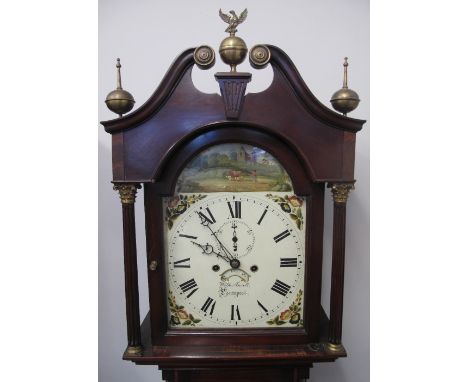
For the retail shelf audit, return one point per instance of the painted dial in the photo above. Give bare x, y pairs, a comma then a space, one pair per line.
236, 260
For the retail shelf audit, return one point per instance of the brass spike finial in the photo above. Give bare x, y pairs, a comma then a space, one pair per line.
119, 100
119, 78
345, 75
345, 99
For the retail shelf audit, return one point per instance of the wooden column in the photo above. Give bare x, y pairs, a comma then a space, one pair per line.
340, 192
127, 193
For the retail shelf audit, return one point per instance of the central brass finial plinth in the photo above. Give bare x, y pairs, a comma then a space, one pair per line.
233, 49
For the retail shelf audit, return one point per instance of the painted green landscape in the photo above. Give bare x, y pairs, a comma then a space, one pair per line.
233, 167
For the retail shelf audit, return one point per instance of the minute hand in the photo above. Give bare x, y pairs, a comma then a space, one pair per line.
226, 251
205, 223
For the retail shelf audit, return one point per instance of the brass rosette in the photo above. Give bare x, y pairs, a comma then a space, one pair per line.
259, 56
204, 57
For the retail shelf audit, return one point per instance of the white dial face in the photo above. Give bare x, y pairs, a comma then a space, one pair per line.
235, 260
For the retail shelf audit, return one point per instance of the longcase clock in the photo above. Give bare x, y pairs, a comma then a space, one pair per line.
233, 189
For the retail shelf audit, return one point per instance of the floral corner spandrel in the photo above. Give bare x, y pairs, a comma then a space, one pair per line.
292, 205
178, 204
179, 316
292, 315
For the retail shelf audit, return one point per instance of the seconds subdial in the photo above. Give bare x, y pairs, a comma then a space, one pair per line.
238, 236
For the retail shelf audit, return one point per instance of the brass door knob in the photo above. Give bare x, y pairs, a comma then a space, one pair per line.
153, 265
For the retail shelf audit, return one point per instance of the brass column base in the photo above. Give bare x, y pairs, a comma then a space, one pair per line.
134, 350
335, 347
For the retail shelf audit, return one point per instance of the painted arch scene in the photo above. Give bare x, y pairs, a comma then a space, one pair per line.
233, 167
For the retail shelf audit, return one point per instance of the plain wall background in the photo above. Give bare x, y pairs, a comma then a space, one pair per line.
147, 36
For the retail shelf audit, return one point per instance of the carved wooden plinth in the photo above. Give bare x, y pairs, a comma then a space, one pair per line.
233, 86
257, 374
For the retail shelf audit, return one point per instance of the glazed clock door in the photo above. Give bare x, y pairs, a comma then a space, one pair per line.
234, 243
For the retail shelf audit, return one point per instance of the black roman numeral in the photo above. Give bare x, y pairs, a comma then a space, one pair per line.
263, 215
207, 304
281, 236
235, 309
188, 236
236, 213
261, 306
184, 263
288, 262
206, 218
186, 286
280, 287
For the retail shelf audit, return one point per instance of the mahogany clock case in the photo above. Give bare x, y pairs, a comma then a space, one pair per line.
228, 133
153, 144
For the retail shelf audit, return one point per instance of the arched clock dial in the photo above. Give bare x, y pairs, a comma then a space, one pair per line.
236, 260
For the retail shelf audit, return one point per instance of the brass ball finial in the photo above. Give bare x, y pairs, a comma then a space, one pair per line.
233, 49
119, 100
345, 100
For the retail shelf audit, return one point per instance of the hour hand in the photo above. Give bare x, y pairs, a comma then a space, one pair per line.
208, 250
205, 221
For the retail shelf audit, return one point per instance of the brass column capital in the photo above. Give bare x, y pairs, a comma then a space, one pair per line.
127, 191
340, 191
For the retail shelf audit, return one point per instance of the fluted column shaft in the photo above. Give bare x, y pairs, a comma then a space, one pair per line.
127, 193
340, 192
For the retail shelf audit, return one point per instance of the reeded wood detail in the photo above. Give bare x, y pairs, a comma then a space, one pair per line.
127, 196
131, 276
233, 86
340, 192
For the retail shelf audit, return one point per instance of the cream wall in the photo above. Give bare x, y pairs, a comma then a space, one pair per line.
147, 36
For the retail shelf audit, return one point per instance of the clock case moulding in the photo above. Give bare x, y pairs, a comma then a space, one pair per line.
153, 144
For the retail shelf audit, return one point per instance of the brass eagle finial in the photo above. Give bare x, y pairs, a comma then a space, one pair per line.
233, 20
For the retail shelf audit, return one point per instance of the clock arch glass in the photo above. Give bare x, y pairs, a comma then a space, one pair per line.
234, 242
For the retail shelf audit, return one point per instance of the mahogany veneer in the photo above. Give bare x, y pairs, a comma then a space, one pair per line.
314, 144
